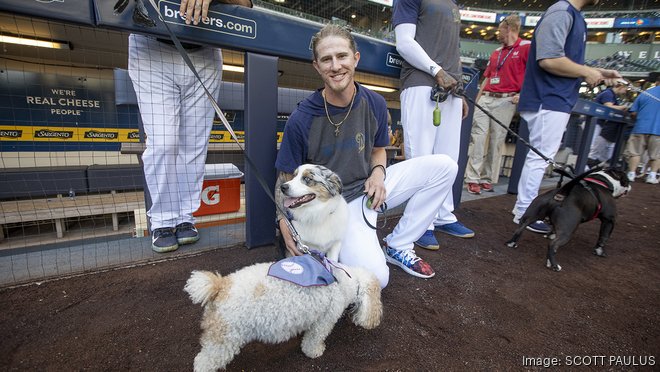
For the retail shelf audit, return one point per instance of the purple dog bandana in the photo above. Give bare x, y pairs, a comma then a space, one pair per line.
302, 270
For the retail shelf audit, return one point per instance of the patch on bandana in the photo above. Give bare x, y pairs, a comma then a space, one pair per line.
303, 270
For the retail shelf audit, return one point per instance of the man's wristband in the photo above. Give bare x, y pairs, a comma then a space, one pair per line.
434, 69
378, 166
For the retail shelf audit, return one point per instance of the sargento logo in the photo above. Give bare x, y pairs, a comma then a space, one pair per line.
217, 137
11, 133
46, 133
101, 135
216, 22
133, 135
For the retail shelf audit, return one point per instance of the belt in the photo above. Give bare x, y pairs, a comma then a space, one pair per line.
186, 46
499, 95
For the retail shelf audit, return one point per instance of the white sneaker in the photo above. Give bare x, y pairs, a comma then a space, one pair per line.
516, 216
631, 176
652, 180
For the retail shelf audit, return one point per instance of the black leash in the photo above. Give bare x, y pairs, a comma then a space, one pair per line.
383, 208
556, 167
177, 44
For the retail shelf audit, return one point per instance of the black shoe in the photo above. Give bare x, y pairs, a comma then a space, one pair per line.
163, 240
186, 233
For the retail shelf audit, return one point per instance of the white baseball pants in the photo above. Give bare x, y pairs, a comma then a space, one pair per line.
425, 182
421, 137
546, 129
177, 119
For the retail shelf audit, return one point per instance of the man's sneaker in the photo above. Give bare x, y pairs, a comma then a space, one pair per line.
486, 186
163, 240
539, 227
652, 180
473, 188
186, 233
455, 229
631, 176
409, 262
428, 241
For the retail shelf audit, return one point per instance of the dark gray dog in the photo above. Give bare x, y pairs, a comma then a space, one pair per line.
586, 197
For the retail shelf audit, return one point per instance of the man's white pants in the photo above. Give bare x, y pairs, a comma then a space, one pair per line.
546, 129
425, 182
177, 119
487, 139
421, 137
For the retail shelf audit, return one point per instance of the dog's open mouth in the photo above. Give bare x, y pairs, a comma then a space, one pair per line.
297, 202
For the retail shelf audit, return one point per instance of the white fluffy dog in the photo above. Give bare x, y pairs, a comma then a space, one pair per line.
320, 213
249, 305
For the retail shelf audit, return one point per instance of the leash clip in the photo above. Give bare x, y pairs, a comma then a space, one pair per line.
439, 94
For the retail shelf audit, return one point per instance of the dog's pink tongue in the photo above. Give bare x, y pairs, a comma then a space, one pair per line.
289, 201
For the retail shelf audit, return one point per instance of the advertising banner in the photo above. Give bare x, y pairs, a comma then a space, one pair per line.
77, 11
252, 30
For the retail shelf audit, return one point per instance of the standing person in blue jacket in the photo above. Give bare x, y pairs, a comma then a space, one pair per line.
427, 37
645, 134
555, 69
343, 126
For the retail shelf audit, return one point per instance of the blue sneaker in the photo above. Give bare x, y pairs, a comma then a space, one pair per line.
539, 227
455, 229
428, 241
409, 262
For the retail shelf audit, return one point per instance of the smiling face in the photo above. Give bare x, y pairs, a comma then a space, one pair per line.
336, 61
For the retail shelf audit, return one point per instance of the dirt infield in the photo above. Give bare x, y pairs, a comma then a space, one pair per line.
488, 308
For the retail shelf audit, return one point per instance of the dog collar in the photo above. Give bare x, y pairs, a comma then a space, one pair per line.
599, 183
607, 181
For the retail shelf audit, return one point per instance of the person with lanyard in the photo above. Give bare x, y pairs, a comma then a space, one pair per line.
499, 94
606, 132
177, 119
555, 69
343, 126
427, 37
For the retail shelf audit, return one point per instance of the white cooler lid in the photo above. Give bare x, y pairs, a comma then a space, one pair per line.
220, 171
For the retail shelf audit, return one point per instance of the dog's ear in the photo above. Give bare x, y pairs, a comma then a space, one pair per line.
334, 183
331, 180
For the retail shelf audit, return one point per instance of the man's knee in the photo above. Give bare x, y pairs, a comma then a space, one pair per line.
445, 162
382, 273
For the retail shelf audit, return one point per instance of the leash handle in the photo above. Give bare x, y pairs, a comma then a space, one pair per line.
186, 58
382, 208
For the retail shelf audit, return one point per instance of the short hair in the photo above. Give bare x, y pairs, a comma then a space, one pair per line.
332, 30
654, 76
513, 21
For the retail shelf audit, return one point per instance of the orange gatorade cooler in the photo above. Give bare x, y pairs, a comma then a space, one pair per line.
221, 191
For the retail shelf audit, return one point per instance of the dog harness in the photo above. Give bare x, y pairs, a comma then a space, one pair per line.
591, 191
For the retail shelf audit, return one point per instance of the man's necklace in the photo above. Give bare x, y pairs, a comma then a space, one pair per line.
338, 125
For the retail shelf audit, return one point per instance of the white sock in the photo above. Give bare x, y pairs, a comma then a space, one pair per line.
652, 175
631, 175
